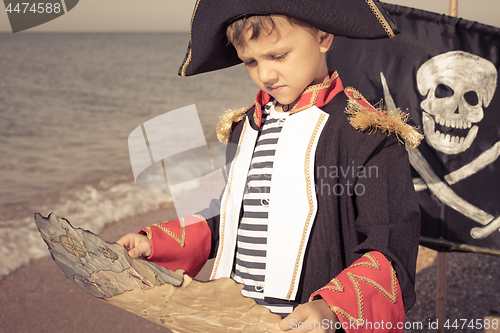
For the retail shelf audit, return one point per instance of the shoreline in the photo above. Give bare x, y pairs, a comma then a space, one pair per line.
39, 298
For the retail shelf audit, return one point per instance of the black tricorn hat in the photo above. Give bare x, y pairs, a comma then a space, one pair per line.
209, 50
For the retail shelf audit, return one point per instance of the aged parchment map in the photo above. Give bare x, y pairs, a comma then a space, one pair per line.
167, 298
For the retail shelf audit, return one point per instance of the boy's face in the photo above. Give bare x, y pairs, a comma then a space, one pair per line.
286, 61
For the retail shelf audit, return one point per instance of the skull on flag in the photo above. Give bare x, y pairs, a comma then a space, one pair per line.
457, 86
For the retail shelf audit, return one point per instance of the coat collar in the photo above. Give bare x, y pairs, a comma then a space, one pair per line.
317, 95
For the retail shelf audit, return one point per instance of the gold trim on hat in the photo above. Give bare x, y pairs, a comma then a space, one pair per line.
189, 57
381, 18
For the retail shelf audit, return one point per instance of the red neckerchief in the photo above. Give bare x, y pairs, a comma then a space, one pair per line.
319, 95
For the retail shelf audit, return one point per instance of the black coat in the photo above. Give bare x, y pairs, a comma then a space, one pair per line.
373, 208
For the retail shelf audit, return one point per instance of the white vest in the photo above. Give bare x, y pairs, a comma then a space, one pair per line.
292, 206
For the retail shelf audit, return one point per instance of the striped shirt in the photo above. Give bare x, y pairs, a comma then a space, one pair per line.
251, 245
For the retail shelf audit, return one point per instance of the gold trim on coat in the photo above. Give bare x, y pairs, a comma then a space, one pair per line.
315, 89
372, 264
179, 238
377, 119
226, 121
391, 296
200, 217
224, 206
148, 233
337, 286
310, 199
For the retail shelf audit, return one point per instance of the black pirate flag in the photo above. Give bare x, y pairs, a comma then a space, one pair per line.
444, 72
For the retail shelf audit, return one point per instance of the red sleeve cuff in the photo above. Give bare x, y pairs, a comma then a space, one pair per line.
366, 296
180, 244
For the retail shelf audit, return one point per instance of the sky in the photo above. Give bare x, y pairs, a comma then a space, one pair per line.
175, 15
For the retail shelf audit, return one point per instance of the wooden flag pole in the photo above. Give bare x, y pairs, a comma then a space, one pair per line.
441, 291
454, 8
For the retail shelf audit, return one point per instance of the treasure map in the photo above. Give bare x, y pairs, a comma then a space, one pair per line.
168, 298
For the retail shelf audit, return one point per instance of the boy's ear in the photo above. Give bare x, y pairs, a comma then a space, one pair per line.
325, 41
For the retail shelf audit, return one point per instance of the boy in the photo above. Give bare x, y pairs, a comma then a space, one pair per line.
316, 210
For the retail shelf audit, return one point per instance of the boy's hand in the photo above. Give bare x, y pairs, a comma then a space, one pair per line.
138, 245
315, 316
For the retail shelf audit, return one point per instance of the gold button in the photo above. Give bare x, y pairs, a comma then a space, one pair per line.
264, 202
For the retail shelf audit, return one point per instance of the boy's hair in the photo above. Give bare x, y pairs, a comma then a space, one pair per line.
236, 30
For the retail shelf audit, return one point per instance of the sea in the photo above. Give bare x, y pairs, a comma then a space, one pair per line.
68, 102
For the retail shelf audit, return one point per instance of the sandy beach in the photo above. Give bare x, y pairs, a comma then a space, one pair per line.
39, 298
